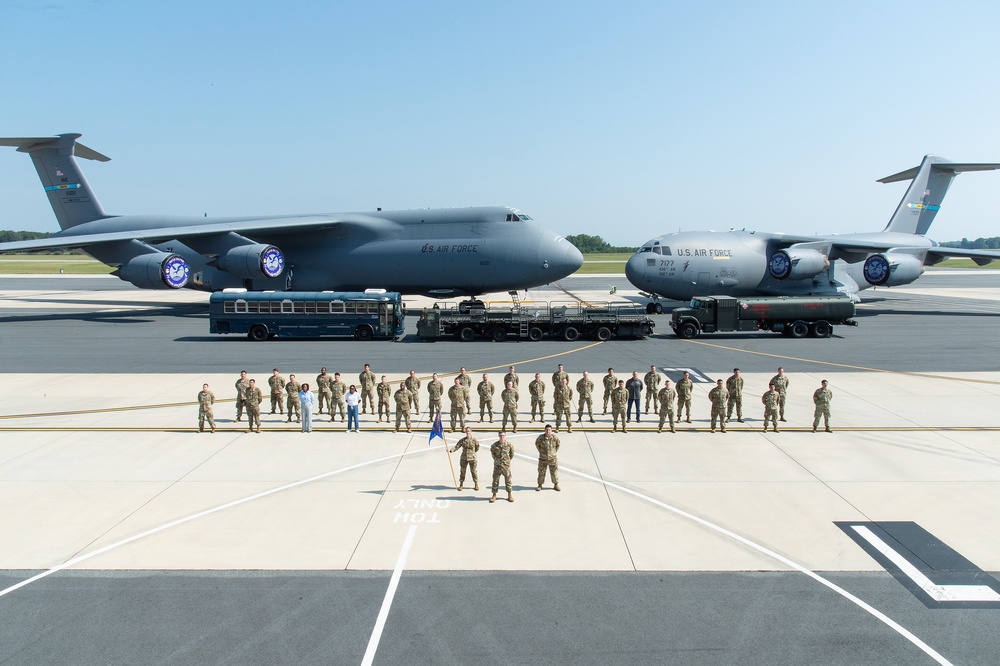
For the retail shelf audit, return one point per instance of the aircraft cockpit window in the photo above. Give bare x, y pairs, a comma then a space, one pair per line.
510, 217
646, 249
524, 218
656, 250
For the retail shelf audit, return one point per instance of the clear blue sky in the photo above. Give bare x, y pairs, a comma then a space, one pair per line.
622, 119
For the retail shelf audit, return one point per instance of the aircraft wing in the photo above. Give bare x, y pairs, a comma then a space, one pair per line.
155, 234
856, 249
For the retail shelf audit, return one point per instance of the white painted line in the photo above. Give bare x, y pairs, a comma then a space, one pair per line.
202, 514
882, 617
933, 590
383, 613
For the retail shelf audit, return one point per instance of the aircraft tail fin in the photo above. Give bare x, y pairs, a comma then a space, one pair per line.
69, 192
923, 198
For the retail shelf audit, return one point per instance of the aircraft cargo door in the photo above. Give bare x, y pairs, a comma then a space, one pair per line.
703, 286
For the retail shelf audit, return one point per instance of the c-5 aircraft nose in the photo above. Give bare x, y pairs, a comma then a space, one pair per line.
560, 259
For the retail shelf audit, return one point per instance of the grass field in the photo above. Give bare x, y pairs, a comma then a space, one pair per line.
70, 264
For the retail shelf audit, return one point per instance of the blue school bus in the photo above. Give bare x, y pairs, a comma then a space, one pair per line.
367, 315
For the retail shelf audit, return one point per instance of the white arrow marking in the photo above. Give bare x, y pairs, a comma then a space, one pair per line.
933, 590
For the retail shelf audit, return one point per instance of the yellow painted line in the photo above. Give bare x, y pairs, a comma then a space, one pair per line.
922, 375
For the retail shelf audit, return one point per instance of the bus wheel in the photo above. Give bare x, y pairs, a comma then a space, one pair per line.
257, 333
467, 334
364, 333
570, 334
499, 334
798, 329
535, 334
822, 329
603, 333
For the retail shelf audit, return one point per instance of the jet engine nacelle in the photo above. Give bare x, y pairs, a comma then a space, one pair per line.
157, 270
797, 264
253, 261
892, 269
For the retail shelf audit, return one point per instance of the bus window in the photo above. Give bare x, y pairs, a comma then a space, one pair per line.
252, 306
286, 306
310, 307
241, 306
229, 307
337, 306
298, 307
349, 308
322, 307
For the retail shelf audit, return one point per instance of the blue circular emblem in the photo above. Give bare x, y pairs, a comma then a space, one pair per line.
780, 265
175, 271
876, 269
272, 262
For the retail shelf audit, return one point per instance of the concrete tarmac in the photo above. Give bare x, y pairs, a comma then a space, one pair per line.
154, 543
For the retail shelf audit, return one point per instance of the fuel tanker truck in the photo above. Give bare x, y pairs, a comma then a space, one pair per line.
794, 316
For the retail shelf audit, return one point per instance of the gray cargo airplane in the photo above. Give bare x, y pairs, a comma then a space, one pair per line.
445, 252
745, 263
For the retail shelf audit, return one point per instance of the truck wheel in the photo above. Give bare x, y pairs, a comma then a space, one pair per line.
798, 329
467, 334
570, 334
822, 329
534, 334
687, 330
499, 334
257, 333
364, 333
603, 333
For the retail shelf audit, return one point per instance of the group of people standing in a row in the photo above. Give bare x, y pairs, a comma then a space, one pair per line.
669, 402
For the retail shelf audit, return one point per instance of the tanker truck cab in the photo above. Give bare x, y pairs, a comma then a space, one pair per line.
794, 316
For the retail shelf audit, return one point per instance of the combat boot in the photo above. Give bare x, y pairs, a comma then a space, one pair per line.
624, 429
672, 429
538, 489
510, 497
459, 487
477, 485
828, 430
814, 428
493, 498
659, 430
592, 419
557, 487
776, 429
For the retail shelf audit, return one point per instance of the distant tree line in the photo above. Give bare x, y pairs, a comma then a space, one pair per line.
594, 244
7, 236
992, 243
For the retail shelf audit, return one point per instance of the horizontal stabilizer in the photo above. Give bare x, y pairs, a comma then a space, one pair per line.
954, 167
28, 144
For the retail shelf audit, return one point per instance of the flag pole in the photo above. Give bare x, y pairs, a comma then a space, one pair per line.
447, 452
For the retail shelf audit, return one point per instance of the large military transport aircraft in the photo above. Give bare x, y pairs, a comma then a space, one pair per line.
745, 263
445, 252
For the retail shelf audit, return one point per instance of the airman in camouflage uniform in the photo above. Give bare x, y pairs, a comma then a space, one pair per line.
666, 398
735, 387
719, 397
770, 400
292, 389
585, 389
485, 391
610, 382
205, 401
367, 380
435, 389
277, 384
456, 394
652, 382
337, 391
413, 386
548, 457
469, 446
685, 387
384, 391
402, 397
509, 398
511, 377
821, 398
502, 452
564, 405
465, 381
253, 399
780, 382
323, 391
619, 400
241, 394
557, 378
537, 390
